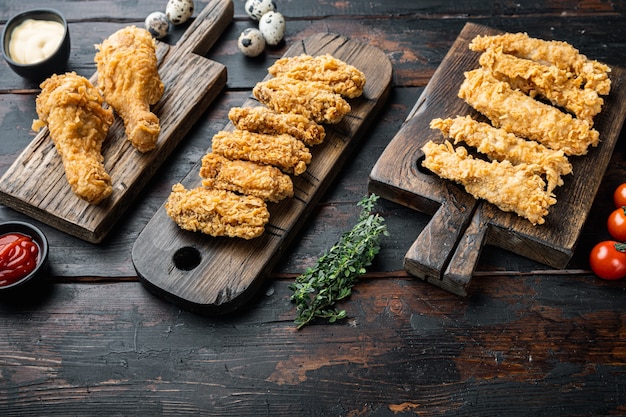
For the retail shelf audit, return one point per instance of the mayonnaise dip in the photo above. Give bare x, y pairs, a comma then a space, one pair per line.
35, 40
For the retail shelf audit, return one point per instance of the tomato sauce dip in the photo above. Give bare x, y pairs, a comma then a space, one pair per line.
19, 255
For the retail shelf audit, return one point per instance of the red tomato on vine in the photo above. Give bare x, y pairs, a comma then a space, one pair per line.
619, 196
608, 260
616, 224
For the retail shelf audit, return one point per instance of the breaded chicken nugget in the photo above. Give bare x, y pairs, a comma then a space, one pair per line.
217, 212
72, 109
314, 100
512, 188
343, 78
264, 120
245, 177
524, 116
282, 151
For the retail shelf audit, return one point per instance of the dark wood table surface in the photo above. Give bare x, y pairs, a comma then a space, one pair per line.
528, 340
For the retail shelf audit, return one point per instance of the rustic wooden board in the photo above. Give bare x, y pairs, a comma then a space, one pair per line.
447, 250
35, 183
229, 271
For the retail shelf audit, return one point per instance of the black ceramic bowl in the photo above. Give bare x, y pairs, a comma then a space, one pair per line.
41, 70
37, 235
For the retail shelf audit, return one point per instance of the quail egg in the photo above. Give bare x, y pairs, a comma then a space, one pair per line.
257, 8
251, 42
179, 11
157, 24
272, 26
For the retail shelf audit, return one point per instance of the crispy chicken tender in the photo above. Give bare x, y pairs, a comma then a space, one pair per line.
282, 151
591, 74
245, 177
512, 188
343, 78
264, 120
217, 212
72, 109
524, 116
500, 145
128, 78
548, 81
315, 100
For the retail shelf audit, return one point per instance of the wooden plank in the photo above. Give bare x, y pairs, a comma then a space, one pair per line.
35, 184
396, 175
231, 270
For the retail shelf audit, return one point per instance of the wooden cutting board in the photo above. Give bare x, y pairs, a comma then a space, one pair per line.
447, 250
218, 275
35, 184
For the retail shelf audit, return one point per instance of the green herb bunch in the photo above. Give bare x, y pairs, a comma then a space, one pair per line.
316, 291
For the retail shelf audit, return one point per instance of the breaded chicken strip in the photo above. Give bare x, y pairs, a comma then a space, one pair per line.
524, 116
264, 120
282, 151
314, 100
591, 74
217, 212
245, 177
500, 145
343, 78
72, 109
128, 78
548, 81
512, 188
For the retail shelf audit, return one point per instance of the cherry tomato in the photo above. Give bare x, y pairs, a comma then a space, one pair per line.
608, 260
619, 196
616, 224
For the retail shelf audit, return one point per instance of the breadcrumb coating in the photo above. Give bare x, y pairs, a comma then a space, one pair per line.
524, 116
548, 81
314, 100
245, 177
264, 120
282, 151
217, 212
500, 145
72, 108
512, 188
593, 74
343, 78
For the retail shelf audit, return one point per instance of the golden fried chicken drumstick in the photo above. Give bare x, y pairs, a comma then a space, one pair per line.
129, 80
72, 109
217, 212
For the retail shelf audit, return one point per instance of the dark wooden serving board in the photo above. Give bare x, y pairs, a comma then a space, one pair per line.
35, 184
229, 271
447, 250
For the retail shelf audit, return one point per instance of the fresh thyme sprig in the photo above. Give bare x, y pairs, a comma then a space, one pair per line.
335, 273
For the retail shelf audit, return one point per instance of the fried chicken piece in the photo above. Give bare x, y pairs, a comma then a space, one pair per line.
217, 212
548, 81
500, 145
524, 116
264, 120
282, 151
72, 109
128, 78
512, 188
591, 74
245, 177
343, 78
314, 100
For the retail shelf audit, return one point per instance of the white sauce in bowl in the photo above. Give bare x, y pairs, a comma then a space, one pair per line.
33, 40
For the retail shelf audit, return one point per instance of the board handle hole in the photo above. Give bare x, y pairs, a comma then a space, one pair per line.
421, 168
187, 258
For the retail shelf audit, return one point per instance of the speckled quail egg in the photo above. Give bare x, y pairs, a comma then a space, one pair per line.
272, 26
251, 42
157, 24
257, 8
179, 11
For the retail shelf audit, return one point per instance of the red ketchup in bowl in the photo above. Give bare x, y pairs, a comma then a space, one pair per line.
19, 255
